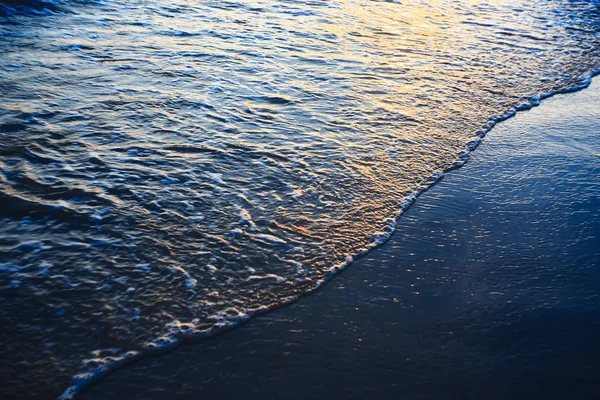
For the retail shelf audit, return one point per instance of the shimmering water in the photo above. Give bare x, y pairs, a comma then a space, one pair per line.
169, 169
487, 290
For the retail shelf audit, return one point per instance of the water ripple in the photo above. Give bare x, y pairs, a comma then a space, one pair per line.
167, 169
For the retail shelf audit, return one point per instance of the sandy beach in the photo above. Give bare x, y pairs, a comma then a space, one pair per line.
488, 289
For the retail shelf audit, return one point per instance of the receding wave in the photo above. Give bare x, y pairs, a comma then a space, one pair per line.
168, 170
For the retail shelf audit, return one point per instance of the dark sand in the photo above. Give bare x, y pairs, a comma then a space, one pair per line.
489, 289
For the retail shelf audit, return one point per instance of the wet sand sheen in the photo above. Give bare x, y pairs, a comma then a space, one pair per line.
488, 289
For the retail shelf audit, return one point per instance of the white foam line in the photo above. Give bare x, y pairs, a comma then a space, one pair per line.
177, 331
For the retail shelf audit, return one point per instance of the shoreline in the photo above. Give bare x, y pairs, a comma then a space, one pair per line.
369, 256
194, 167
83, 379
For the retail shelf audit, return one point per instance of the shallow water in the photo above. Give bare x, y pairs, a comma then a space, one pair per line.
487, 290
170, 169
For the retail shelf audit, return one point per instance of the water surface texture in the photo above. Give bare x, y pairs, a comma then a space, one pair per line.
488, 289
169, 169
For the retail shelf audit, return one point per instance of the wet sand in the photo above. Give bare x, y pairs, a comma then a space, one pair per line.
489, 289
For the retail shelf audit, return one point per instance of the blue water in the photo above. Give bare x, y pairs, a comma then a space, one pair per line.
487, 290
169, 170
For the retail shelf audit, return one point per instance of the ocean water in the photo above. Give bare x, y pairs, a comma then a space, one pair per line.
170, 169
488, 289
